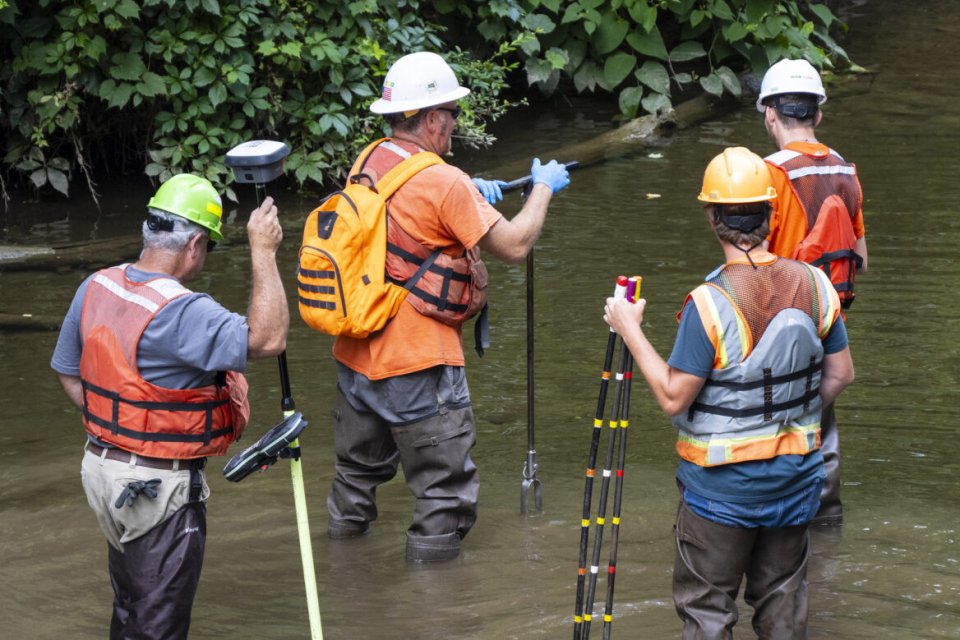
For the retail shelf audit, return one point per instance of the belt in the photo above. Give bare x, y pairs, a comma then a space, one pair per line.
169, 464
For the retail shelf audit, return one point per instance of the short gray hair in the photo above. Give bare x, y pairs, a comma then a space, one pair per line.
171, 241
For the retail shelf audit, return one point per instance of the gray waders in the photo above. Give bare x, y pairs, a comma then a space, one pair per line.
434, 453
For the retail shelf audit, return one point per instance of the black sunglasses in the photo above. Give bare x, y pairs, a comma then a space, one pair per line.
211, 245
454, 113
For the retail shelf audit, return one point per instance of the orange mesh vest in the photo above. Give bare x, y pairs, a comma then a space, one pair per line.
123, 409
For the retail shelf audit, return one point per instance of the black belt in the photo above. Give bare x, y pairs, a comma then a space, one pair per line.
153, 463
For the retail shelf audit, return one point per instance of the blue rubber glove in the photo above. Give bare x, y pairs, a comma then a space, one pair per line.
490, 189
553, 174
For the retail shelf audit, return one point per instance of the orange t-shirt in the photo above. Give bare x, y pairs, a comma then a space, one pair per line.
441, 208
788, 222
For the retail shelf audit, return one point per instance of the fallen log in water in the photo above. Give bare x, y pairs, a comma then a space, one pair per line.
632, 136
69, 255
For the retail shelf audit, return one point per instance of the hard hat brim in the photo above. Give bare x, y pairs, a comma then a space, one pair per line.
382, 106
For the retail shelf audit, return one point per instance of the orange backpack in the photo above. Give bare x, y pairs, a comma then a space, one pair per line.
341, 271
830, 246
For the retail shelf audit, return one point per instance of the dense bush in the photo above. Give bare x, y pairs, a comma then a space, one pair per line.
91, 87
645, 52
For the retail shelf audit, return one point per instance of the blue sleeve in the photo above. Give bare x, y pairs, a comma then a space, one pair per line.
836, 339
66, 355
693, 352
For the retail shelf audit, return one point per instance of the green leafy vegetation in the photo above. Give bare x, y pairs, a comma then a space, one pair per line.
93, 88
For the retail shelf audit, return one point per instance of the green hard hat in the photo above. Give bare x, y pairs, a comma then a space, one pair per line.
193, 198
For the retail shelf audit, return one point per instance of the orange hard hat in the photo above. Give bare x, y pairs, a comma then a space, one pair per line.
737, 176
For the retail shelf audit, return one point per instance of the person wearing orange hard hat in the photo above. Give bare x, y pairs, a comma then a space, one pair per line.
760, 347
817, 216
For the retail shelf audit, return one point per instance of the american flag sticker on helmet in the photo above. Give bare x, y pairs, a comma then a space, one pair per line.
387, 90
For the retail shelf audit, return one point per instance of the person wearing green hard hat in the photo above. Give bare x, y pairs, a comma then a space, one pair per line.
156, 370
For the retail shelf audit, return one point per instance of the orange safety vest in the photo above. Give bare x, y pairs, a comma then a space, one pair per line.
762, 399
452, 289
828, 190
123, 409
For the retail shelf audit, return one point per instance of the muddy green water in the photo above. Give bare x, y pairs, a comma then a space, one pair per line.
892, 572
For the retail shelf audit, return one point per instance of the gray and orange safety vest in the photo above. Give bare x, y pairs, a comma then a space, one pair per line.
123, 409
762, 398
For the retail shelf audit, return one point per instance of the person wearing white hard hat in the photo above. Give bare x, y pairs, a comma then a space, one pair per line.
402, 397
817, 216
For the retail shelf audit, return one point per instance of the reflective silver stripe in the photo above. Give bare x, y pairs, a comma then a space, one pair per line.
781, 157
167, 287
120, 292
821, 171
400, 151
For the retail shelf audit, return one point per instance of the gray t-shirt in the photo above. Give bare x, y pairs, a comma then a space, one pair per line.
183, 347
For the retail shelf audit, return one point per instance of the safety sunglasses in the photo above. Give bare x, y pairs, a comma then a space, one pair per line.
454, 113
211, 245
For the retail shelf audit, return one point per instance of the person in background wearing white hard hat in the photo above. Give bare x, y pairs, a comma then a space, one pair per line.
760, 345
817, 216
155, 370
402, 396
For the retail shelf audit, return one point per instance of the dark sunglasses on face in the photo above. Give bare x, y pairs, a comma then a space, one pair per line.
454, 113
211, 245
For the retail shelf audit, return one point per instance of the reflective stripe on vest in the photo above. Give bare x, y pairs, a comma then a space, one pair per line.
147, 419
761, 400
814, 178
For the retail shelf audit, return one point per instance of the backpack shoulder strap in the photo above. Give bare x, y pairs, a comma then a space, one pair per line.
396, 177
364, 156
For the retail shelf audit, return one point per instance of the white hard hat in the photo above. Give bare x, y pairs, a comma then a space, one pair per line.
791, 76
417, 81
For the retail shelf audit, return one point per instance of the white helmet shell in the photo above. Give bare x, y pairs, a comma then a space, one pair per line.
417, 81
791, 76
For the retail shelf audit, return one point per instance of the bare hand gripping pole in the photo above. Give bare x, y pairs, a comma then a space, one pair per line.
258, 162
530, 483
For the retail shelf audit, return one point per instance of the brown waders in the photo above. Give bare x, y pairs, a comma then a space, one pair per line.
434, 454
831, 509
711, 562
